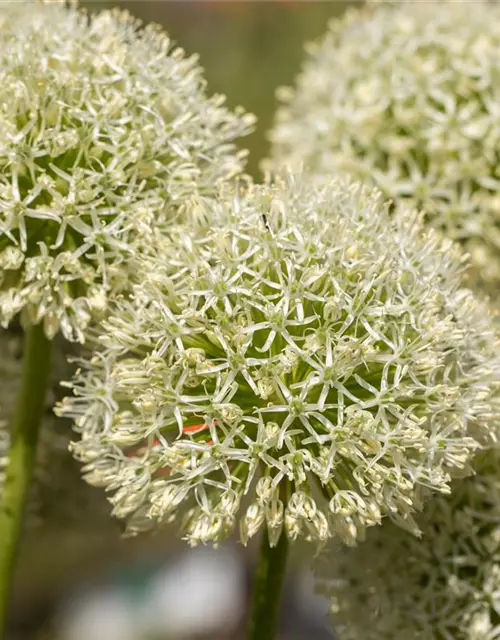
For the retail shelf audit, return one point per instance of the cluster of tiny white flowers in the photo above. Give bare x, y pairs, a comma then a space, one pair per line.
300, 347
443, 586
106, 134
405, 96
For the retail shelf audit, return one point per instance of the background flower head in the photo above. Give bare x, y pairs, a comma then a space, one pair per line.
300, 348
106, 134
405, 96
443, 585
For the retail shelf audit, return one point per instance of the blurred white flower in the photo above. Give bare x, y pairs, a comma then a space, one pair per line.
445, 585
200, 594
406, 96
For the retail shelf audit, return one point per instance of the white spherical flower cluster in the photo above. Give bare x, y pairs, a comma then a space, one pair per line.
443, 586
106, 134
405, 96
300, 348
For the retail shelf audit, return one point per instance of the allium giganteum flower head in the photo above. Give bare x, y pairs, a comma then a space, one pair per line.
405, 96
443, 586
106, 133
301, 349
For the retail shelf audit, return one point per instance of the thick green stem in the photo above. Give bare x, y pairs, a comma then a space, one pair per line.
267, 589
24, 434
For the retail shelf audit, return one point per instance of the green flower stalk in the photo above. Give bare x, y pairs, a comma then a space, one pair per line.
443, 585
405, 96
298, 352
24, 432
9, 381
58, 499
106, 135
60, 511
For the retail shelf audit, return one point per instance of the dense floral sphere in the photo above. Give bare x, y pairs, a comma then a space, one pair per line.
405, 96
444, 585
298, 347
106, 134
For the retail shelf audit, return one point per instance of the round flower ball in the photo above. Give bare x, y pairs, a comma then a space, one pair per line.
295, 358
445, 585
405, 96
106, 135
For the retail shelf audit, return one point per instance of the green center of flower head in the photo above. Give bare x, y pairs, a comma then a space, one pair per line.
302, 349
104, 132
